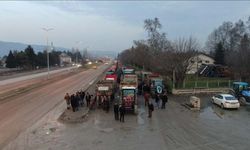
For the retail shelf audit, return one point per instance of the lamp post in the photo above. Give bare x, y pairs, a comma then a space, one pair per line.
47, 30
77, 49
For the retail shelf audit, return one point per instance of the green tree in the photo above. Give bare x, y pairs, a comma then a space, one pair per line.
54, 58
219, 54
11, 61
41, 59
31, 56
22, 59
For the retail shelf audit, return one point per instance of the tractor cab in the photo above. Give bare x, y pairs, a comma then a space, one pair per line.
242, 92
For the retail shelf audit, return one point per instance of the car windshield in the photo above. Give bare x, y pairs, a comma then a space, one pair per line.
230, 98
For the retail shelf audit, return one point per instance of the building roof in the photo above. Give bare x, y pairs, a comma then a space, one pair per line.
64, 55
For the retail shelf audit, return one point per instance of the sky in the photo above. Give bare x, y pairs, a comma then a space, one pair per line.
112, 25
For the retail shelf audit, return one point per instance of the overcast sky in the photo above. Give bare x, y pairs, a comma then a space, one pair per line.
112, 25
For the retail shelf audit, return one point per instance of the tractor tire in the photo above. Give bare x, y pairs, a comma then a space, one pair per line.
242, 101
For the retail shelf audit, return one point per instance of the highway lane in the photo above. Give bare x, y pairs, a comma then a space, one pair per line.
32, 76
16, 84
19, 113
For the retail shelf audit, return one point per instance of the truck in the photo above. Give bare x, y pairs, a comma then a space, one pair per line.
104, 88
128, 93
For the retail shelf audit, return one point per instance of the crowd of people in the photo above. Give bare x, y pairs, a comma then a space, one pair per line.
76, 100
80, 98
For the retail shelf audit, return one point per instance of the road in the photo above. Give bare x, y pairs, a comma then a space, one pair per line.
32, 76
17, 84
175, 128
19, 113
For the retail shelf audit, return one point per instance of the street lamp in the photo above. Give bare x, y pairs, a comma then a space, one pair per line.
47, 30
77, 49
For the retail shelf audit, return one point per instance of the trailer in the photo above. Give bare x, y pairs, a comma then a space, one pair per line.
128, 93
104, 91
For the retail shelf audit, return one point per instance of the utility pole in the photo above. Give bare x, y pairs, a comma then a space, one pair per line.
47, 40
77, 49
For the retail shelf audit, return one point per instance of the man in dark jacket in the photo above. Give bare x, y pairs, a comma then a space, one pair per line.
116, 111
82, 95
150, 109
157, 100
146, 91
73, 102
88, 98
122, 112
164, 100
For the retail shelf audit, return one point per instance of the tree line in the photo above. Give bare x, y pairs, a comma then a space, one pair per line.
230, 45
28, 59
159, 54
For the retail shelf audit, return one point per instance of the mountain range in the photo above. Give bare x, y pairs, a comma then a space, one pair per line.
5, 47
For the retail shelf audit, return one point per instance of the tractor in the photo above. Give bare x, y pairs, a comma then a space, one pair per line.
241, 91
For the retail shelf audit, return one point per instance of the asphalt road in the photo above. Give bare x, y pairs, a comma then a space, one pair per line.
32, 76
175, 128
19, 113
8, 86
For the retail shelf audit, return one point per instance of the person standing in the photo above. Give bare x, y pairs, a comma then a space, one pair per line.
116, 111
107, 105
150, 109
112, 97
146, 91
82, 95
73, 102
67, 99
164, 100
122, 112
93, 103
88, 98
157, 100
78, 99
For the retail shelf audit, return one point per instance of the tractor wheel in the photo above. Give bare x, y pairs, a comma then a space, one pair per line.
242, 101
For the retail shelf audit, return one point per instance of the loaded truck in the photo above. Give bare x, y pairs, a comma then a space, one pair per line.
128, 93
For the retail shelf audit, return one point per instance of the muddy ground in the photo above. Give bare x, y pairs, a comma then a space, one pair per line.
176, 127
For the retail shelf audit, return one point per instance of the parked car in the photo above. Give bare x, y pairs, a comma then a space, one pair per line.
226, 101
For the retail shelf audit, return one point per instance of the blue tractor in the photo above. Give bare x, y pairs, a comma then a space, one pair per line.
241, 90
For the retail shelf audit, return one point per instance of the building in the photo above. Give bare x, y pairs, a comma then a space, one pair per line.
195, 62
64, 59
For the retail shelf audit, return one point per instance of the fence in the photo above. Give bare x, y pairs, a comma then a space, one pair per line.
205, 84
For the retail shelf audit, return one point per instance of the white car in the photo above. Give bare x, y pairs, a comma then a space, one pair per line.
226, 101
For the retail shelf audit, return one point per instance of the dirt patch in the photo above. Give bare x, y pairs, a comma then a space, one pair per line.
68, 116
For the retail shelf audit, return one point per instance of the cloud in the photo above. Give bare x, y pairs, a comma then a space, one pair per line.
112, 25
71, 24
